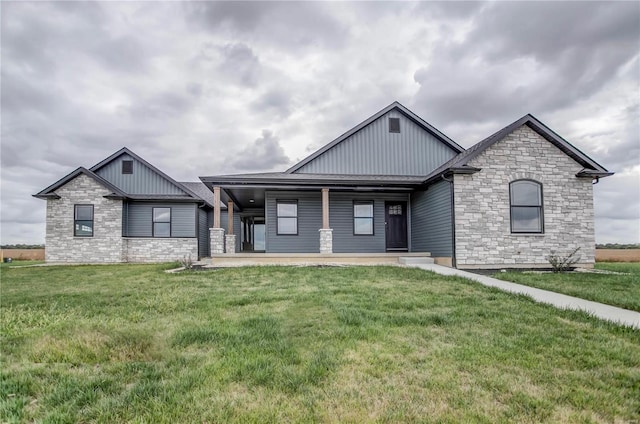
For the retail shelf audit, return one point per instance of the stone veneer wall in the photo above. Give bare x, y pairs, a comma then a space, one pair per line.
482, 210
159, 249
105, 245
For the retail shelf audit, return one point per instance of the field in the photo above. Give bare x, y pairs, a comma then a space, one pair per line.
130, 343
23, 254
616, 290
618, 255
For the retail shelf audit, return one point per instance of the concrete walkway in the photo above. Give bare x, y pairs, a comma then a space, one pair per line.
562, 301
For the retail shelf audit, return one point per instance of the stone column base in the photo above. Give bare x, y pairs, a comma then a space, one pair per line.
217, 240
326, 240
230, 243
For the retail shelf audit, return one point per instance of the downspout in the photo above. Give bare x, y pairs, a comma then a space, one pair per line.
453, 221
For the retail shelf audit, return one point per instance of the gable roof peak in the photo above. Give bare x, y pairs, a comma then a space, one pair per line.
395, 105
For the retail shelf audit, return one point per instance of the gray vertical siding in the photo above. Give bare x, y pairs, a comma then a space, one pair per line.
341, 221
309, 222
140, 219
203, 234
375, 151
143, 180
431, 220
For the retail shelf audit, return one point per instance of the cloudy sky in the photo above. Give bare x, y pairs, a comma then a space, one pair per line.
214, 87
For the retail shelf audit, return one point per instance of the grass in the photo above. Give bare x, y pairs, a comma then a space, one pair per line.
129, 343
616, 290
19, 263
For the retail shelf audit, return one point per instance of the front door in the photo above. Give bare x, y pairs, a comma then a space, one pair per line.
395, 215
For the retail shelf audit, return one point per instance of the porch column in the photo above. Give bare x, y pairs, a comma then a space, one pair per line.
216, 233
230, 238
326, 233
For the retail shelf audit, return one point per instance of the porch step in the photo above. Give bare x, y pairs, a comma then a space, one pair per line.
413, 260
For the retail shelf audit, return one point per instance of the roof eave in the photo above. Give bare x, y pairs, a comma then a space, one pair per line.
588, 173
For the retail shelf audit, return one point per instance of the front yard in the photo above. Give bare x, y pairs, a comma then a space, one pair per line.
285, 344
612, 289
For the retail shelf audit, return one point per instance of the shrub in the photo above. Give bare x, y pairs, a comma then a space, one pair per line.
561, 263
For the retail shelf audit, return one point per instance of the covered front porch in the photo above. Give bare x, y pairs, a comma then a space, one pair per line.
311, 214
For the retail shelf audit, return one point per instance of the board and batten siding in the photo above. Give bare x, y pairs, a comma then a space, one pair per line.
432, 220
143, 180
341, 221
140, 219
375, 151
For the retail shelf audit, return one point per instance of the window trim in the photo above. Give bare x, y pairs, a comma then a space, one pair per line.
287, 202
372, 218
75, 219
392, 130
123, 170
153, 221
539, 207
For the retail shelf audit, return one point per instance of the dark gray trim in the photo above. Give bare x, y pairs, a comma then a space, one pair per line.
541, 207
153, 221
373, 216
93, 219
289, 202
395, 105
48, 192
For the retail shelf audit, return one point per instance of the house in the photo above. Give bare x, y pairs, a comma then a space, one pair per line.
393, 183
124, 209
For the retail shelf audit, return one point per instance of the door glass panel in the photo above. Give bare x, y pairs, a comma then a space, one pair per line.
259, 237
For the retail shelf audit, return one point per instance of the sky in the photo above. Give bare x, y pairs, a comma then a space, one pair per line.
206, 88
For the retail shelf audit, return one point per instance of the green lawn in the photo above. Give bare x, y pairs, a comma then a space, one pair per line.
616, 290
288, 344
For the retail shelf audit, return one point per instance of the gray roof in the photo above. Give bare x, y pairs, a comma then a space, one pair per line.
202, 191
460, 163
395, 105
269, 178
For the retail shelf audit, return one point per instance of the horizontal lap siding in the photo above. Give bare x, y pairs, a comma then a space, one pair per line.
309, 222
224, 223
341, 221
140, 219
431, 218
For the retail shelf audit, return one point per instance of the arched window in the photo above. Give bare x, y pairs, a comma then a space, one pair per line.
526, 207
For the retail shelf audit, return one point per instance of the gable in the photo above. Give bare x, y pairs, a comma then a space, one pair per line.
375, 150
143, 179
524, 150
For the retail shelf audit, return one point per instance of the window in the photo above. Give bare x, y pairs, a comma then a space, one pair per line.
526, 206
287, 217
363, 218
162, 222
394, 125
83, 221
127, 167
